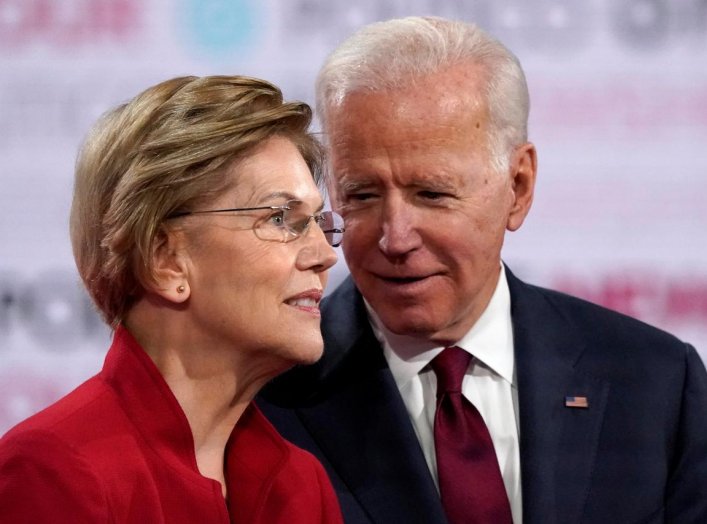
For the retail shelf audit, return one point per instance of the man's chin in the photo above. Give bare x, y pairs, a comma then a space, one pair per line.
422, 325
404, 323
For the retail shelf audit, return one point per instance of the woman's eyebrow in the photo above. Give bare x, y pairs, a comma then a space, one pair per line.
279, 194
289, 198
317, 209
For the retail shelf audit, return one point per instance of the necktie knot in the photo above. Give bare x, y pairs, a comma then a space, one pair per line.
449, 367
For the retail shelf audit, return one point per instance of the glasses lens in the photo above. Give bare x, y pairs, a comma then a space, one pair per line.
291, 222
275, 226
284, 224
297, 221
332, 225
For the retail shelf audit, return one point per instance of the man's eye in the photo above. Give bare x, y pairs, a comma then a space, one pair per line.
431, 195
360, 197
436, 197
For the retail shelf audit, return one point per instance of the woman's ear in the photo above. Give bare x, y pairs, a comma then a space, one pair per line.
524, 166
170, 266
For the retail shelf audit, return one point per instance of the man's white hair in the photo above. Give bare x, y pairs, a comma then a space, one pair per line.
390, 55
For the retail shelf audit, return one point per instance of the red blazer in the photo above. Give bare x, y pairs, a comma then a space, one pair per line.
119, 449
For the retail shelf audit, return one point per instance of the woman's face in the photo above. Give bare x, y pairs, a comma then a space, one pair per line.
261, 296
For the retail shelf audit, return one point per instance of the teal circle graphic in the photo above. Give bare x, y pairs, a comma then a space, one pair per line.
221, 25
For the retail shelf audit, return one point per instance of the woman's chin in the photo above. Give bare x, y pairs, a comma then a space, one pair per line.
308, 352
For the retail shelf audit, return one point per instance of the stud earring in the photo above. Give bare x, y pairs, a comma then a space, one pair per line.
180, 289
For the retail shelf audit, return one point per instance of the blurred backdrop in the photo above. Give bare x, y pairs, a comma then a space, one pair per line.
619, 117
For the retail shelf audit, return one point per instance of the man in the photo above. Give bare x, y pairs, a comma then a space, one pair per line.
589, 416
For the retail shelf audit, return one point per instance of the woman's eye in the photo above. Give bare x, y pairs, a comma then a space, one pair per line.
278, 218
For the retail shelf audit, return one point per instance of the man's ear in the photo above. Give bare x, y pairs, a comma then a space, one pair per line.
170, 267
523, 170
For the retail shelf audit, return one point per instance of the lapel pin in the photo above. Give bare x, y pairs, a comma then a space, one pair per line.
576, 402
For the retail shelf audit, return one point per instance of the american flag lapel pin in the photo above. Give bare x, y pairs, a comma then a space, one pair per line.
576, 402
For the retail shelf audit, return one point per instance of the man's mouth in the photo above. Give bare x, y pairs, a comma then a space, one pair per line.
403, 280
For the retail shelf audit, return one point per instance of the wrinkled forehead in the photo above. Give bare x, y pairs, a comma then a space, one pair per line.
367, 118
375, 124
452, 86
272, 174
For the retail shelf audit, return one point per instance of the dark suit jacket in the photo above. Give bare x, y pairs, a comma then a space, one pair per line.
637, 454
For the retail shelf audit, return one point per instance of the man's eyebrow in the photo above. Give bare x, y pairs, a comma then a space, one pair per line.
355, 185
440, 183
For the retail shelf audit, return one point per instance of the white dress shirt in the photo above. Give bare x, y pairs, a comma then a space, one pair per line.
489, 384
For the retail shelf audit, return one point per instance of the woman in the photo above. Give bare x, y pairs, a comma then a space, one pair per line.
198, 230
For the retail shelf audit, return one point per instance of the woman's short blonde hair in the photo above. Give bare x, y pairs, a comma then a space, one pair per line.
163, 151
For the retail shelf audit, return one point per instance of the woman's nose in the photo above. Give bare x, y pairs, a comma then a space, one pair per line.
317, 254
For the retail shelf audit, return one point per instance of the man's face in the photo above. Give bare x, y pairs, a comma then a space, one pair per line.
425, 212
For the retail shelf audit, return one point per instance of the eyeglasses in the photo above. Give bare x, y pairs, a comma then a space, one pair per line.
286, 222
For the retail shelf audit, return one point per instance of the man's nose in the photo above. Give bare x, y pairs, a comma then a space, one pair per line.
399, 228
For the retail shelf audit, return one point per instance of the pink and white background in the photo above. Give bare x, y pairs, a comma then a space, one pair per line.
619, 117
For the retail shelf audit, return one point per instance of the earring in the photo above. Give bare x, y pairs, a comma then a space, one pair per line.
180, 289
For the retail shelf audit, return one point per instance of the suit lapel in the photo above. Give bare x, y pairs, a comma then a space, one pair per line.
362, 426
558, 443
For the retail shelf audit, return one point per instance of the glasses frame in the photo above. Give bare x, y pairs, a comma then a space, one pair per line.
284, 207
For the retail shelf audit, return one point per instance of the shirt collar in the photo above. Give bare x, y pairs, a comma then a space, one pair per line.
490, 340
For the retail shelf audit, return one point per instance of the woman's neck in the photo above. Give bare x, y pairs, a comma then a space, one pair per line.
213, 381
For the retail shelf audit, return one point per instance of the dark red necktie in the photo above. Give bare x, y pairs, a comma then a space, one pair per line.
470, 481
